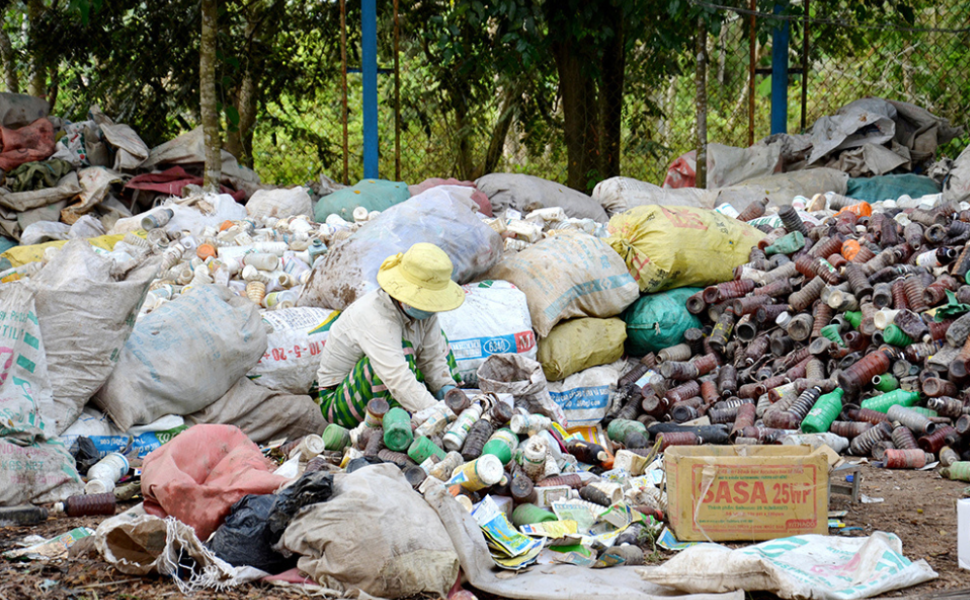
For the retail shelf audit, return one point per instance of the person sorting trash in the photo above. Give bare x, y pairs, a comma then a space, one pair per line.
388, 344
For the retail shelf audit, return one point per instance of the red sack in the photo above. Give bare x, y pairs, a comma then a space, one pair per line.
683, 171
479, 197
201, 473
27, 144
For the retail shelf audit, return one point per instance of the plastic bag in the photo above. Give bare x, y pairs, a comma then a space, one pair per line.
245, 538
668, 247
526, 193
803, 566
280, 203
183, 356
523, 378
658, 321
376, 535
106, 437
292, 355
580, 344
891, 187
86, 310
494, 319
569, 275
349, 270
372, 194
585, 396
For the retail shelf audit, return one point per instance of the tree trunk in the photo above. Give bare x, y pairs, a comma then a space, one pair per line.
700, 103
9, 61
496, 144
579, 114
207, 103
611, 98
38, 74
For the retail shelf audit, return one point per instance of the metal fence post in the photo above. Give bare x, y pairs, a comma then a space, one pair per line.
368, 69
779, 74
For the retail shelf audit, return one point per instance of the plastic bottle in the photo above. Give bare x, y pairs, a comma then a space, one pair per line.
86, 505
502, 444
376, 409
958, 471
444, 469
632, 434
103, 476
422, 448
587, 452
435, 420
527, 514
455, 438
22, 515
534, 458
397, 430
882, 402
478, 435
825, 410
481, 473
336, 437
457, 400
529, 424
522, 489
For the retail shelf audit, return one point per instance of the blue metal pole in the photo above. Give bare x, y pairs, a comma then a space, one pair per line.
779, 75
369, 72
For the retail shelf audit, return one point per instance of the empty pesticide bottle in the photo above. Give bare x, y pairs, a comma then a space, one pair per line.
397, 429
824, 412
423, 448
501, 444
882, 402
958, 471
455, 438
86, 505
476, 439
631, 434
587, 452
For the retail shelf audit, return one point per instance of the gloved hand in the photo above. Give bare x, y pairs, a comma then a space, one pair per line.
440, 394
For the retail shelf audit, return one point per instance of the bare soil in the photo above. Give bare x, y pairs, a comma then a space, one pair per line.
919, 507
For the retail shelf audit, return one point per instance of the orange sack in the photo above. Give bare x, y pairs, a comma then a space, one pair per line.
201, 473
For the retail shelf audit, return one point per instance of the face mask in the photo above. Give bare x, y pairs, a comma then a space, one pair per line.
414, 313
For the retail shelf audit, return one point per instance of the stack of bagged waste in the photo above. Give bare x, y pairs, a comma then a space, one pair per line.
620, 365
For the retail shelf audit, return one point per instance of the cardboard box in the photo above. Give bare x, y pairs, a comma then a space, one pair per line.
721, 493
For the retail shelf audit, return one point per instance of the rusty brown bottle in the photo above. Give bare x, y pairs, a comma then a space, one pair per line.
913, 234
821, 316
899, 295
945, 406
913, 288
749, 304
727, 381
88, 505
500, 414
639, 370
933, 442
879, 449
911, 324
706, 363
745, 418
477, 436
654, 405
775, 289
709, 392
802, 299
935, 292
904, 439
857, 279
587, 452
866, 415
522, 489
679, 371
861, 445
861, 373
754, 210
934, 387
728, 290
679, 438
790, 219
373, 441
721, 334
695, 303
828, 246
398, 458
684, 391
816, 267
765, 315
906, 459
849, 429
756, 350
882, 295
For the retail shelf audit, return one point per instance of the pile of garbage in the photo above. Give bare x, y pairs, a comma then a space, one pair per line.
615, 351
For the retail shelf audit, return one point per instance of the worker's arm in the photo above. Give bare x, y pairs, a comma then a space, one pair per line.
432, 357
382, 345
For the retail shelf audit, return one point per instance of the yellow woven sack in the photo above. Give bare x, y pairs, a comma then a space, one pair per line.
668, 247
579, 344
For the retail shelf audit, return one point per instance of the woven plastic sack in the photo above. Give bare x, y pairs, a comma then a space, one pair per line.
293, 350
438, 216
566, 276
658, 321
667, 247
523, 378
580, 344
494, 319
372, 194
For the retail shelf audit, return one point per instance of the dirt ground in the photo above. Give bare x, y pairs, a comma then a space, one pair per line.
919, 507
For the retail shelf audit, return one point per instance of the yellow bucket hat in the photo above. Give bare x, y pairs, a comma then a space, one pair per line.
421, 277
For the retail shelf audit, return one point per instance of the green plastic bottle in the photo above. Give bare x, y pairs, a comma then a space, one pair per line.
826, 409
831, 332
786, 244
854, 317
527, 514
620, 428
397, 430
958, 471
499, 447
883, 402
894, 336
885, 382
335, 437
422, 448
